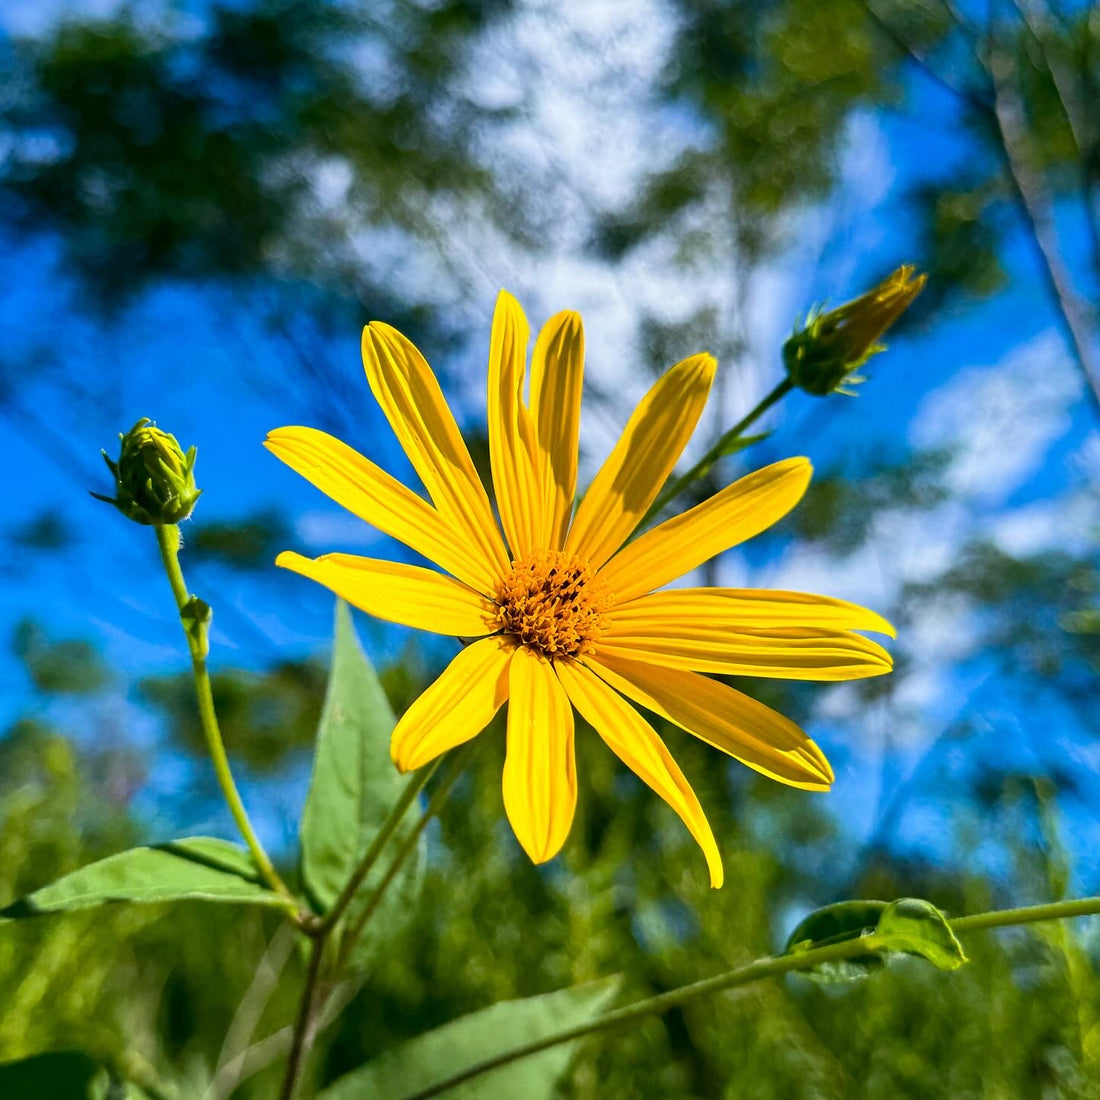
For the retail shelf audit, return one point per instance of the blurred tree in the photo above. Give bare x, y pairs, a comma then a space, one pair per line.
68, 667
265, 716
163, 148
248, 543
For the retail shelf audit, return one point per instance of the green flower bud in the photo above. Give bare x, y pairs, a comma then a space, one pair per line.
154, 479
822, 356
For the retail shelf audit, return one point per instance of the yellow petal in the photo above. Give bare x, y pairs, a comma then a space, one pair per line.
790, 653
403, 384
631, 478
678, 545
369, 492
540, 775
512, 444
457, 707
406, 594
749, 609
749, 731
557, 378
633, 740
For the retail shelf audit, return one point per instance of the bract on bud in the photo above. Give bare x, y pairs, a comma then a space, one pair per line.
154, 478
822, 356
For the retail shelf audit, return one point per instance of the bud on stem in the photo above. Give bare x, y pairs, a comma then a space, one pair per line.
823, 356
154, 478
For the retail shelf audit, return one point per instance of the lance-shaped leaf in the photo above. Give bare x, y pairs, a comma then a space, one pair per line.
196, 868
907, 926
437, 1055
354, 784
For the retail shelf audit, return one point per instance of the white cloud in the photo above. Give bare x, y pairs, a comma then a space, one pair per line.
1000, 419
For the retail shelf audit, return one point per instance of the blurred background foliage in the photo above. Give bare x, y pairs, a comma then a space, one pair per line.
309, 165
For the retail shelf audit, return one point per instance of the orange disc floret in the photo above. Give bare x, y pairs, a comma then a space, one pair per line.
554, 603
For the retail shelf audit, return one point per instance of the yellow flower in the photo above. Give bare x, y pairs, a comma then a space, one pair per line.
565, 615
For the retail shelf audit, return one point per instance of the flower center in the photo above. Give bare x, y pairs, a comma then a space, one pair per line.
553, 603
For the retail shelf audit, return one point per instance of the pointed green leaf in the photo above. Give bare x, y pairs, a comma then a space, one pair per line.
907, 926
741, 443
196, 868
437, 1055
917, 927
846, 920
354, 784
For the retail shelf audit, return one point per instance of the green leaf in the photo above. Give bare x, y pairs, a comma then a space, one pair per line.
917, 927
196, 615
908, 926
741, 443
64, 1074
448, 1050
354, 784
845, 920
196, 868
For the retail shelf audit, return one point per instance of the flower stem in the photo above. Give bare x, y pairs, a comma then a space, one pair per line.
304, 1027
717, 449
439, 796
414, 786
195, 629
1027, 914
754, 972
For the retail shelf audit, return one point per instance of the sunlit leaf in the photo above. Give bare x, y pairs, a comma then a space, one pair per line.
437, 1055
907, 926
918, 928
354, 784
196, 868
845, 920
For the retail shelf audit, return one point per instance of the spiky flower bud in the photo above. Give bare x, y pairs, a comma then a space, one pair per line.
823, 355
154, 479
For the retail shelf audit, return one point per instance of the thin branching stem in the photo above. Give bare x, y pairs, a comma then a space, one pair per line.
413, 787
303, 1026
435, 804
755, 971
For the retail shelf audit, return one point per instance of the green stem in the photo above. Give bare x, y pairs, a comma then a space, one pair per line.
168, 539
1027, 914
717, 449
303, 1025
414, 786
753, 972
439, 796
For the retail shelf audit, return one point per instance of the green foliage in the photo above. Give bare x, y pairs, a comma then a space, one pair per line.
46, 531
249, 543
917, 927
845, 920
961, 236
354, 784
909, 925
195, 868
69, 667
162, 152
448, 1050
841, 503
64, 1075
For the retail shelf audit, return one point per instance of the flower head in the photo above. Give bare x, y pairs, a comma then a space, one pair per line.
566, 615
823, 355
154, 479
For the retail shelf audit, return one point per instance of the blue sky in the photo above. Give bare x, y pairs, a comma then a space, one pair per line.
1028, 456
